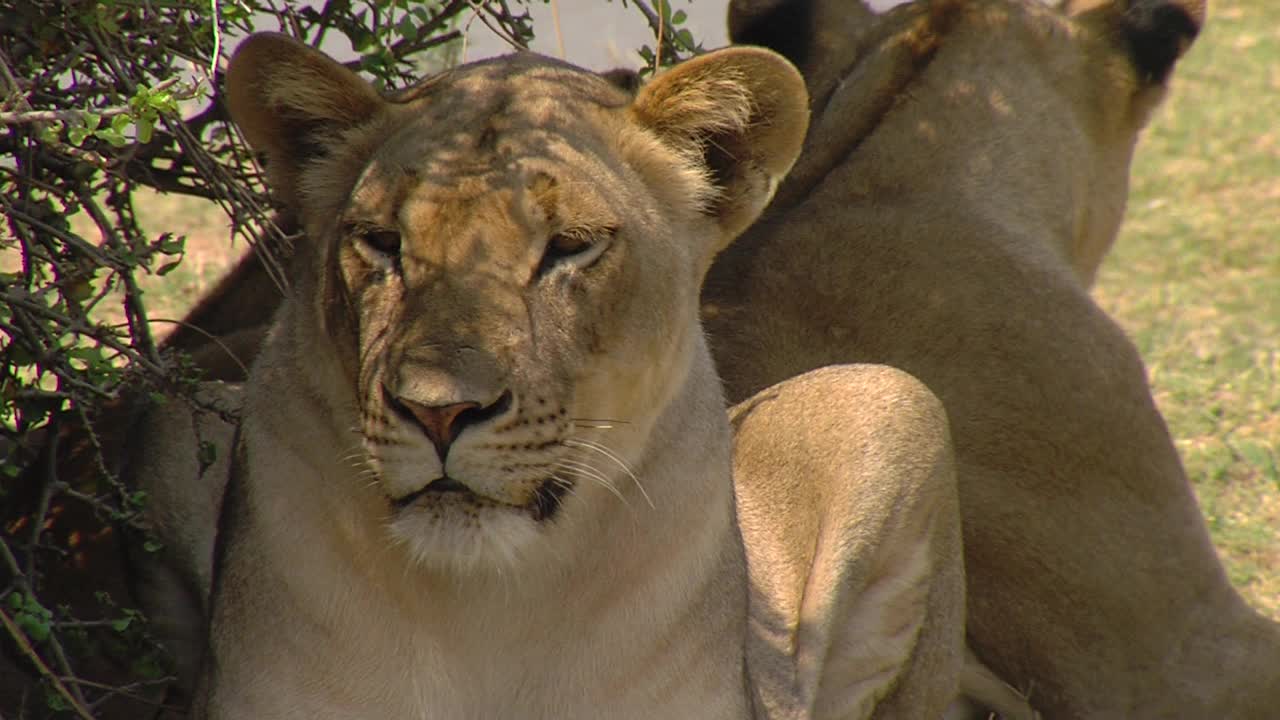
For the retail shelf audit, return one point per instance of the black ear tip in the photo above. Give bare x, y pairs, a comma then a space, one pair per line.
624, 79
1158, 32
785, 26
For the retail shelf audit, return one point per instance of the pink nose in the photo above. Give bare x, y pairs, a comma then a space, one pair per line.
442, 423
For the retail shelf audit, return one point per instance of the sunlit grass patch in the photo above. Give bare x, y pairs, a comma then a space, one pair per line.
1195, 279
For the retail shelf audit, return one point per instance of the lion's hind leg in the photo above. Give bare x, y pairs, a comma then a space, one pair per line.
848, 506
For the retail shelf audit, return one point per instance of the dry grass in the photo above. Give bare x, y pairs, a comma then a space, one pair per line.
209, 252
1195, 280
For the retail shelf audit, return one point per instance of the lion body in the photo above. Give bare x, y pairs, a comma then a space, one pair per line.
498, 298
964, 175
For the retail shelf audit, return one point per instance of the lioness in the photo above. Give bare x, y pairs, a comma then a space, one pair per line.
484, 464
964, 175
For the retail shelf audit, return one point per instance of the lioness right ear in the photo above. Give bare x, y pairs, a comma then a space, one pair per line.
740, 116
1156, 33
293, 103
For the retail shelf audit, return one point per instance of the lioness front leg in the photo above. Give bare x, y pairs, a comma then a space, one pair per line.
847, 501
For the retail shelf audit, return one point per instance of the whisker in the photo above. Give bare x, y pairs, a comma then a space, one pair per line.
588, 472
612, 456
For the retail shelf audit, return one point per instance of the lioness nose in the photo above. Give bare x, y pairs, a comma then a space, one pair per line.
443, 423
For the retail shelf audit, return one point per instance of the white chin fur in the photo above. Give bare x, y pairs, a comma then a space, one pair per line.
451, 539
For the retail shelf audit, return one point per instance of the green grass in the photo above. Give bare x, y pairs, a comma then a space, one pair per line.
1195, 280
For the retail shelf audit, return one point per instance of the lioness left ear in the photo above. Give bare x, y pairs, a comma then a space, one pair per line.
741, 115
294, 103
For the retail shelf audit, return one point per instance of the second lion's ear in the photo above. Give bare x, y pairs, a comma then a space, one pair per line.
741, 115
293, 103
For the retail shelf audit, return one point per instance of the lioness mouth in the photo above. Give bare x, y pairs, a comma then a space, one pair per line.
543, 506
440, 486
445, 484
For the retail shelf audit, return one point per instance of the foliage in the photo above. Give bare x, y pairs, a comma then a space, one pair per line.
99, 99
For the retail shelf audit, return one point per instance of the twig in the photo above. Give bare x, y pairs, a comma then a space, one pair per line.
23, 583
482, 8
20, 638
74, 241
555, 21
41, 116
42, 505
208, 336
23, 117
406, 46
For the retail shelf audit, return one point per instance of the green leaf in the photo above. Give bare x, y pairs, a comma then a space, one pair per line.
19, 355
360, 38
149, 666
168, 267
55, 701
208, 453
76, 135
163, 102
406, 28
50, 132
33, 618
111, 136
145, 126
105, 20
122, 624
171, 244
88, 353
78, 291
679, 17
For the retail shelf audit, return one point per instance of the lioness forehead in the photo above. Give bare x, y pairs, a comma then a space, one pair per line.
500, 105
517, 141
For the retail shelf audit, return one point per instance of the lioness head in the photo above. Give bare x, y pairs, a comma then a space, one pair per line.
503, 259
1043, 105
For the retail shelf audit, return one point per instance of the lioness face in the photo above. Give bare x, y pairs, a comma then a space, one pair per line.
510, 276
498, 266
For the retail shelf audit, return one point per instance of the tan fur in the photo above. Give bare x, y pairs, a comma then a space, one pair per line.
847, 503
181, 460
593, 565
964, 175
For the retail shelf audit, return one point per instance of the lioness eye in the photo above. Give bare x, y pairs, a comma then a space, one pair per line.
569, 243
384, 241
582, 245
